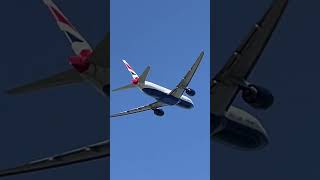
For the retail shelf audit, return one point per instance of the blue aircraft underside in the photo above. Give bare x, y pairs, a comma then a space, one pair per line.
167, 99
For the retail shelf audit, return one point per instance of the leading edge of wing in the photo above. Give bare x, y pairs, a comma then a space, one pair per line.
245, 57
139, 109
225, 85
87, 153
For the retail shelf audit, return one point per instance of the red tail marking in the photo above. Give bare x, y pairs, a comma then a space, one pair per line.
81, 63
60, 17
135, 81
128, 66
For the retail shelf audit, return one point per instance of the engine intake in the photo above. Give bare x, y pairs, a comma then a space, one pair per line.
158, 112
257, 97
190, 92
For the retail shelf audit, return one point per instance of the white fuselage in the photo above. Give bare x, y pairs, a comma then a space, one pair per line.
162, 94
97, 76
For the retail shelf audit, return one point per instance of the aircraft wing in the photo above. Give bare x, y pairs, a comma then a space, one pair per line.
225, 84
63, 78
92, 152
181, 87
140, 109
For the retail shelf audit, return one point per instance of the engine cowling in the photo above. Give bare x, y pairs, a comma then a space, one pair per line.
190, 92
158, 112
239, 129
257, 97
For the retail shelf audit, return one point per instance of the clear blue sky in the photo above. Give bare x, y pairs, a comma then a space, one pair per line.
168, 36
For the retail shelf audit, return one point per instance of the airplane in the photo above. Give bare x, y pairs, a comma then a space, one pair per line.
88, 65
163, 96
231, 125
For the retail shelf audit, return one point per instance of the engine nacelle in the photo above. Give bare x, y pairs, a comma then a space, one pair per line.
239, 129
257, 97
158, 112
190, 92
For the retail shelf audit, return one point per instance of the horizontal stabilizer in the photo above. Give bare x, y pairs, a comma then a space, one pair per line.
124, 87
67, 77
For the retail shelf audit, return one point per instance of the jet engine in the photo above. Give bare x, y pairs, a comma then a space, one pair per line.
190, 92
158, 112
257, 97
239, 129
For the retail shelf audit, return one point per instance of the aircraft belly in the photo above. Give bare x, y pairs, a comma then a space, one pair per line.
166, 98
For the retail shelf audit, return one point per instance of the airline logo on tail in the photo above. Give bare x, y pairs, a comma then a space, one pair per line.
135, 77
78, 43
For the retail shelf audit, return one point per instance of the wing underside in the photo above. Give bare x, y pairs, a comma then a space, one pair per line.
92, 152
181, 87
225, 84
151, 106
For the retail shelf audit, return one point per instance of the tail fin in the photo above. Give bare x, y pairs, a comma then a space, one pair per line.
78, 43
136, 79
133, 74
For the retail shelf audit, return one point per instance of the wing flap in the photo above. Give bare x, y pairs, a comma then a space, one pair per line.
92, 152
67, 77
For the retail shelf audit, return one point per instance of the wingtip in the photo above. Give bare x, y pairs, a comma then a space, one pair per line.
114, 115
